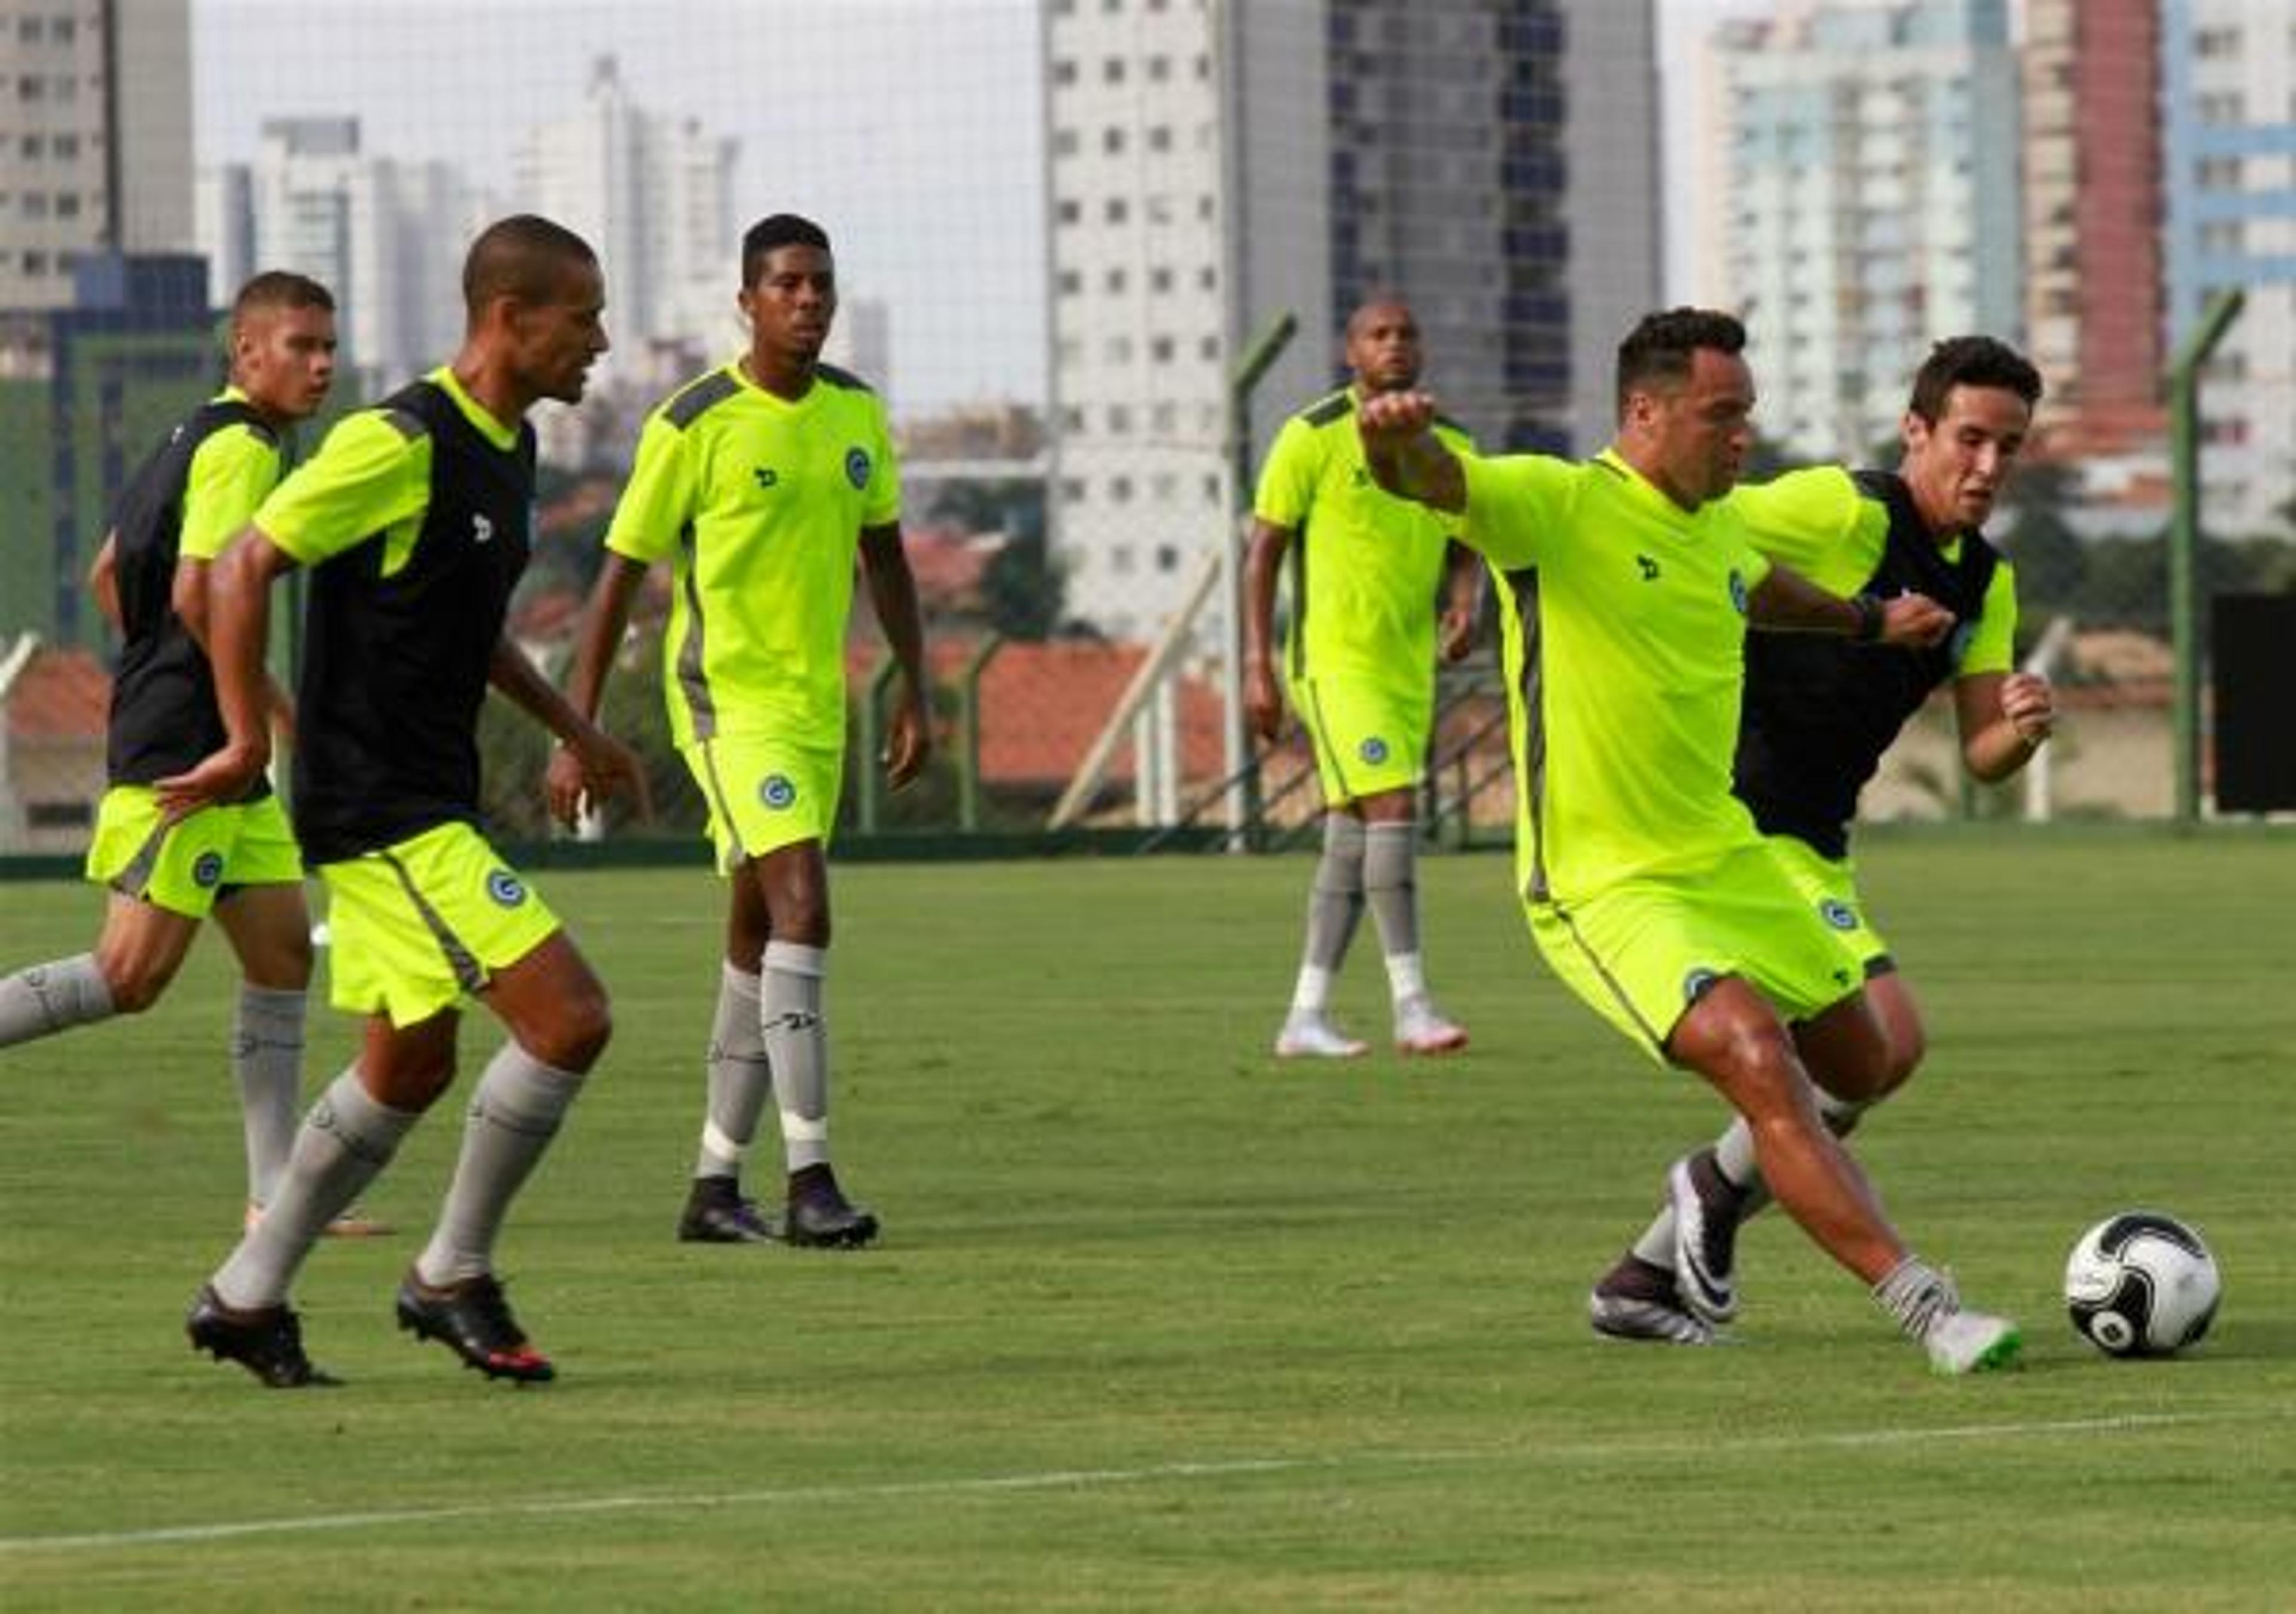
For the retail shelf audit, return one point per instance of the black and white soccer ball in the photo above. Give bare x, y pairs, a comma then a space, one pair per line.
2142, 1283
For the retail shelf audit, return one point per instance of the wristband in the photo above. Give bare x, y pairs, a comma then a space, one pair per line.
1870, 612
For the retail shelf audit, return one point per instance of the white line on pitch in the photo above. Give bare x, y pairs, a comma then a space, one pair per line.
1093, 1479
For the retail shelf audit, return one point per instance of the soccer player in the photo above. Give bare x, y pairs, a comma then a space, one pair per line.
1818, 715
758, 482
1360, 662
415, 518
1627, 584
237, 859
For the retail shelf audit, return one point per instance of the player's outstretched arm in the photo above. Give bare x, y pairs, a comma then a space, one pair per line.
1786, 602
606, 764
604, 619
2004, 718
239, 629
1404, 455
893, 595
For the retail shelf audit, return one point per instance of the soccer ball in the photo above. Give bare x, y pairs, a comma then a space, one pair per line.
2142, 1284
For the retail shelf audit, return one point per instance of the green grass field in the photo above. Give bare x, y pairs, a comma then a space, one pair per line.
1159, 1323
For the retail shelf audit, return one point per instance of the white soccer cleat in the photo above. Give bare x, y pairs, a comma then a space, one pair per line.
1626, 1318
1312, 1036
1960, 1341
1421, 1029
1705, 1247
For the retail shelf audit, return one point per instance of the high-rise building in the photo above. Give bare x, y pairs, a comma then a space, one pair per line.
1211, 167
1862, 201
385, 236
2095, 293
2228, 73
652, 193
95, 127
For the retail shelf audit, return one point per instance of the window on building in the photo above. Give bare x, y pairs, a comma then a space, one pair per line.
1071, 282
1211, 488
1116, 210
1116, 282
1112, 70
29, 28
1159, 68
1164, 418
1112, 140
1160, 279
1168, 557
67, 204
1120, 560
1120, 490
1071, 417
1064, 143
2217, 42
1160, 137
1070, 210
1161, 350
65, 147
1071, 490
1119, 417
1064, 72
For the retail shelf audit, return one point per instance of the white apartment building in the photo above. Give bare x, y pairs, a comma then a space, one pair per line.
1860, 201
1214, 164
2228, 77
96, 139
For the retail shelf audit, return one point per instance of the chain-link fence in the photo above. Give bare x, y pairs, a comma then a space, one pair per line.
1047, 269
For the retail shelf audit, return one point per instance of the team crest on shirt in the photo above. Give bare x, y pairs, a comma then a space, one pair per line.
856, 467
1698, 983
777, 792
505, 887
1372, 750
1837, 913
207, 871
766, 476
1738, 590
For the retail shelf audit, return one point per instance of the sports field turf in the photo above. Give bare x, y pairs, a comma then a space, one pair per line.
1159, 1323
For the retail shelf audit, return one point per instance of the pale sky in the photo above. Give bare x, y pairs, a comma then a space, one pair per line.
908, 128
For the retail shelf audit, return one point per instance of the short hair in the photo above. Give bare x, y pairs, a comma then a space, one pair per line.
1661, 346
280, 289
1971, 361
520, 257
770, 234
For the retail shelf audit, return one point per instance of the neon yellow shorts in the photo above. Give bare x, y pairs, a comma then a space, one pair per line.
185, 866
1370, 738
1642, 951
1830, 886
416, 926
764, 793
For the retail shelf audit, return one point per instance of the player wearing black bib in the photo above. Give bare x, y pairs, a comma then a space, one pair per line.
236, 858
1818, 718
415, 519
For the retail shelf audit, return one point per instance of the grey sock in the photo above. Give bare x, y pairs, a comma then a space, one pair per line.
796, 1045
347, 1139
1915, 1295
51, 997
266, 1053
740, 1078
515, 1111
1390, 884
1335, 903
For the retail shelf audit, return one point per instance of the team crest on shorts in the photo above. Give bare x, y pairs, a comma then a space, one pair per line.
856, 467
505, 887
1372, 750
777, 792
1837, 913
1698, 983
208, 870
1738, 590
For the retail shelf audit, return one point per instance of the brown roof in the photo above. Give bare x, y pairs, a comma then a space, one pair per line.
62, 694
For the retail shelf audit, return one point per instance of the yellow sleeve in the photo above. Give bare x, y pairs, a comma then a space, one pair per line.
1818, 523
367, 477
1516, 504
881, 503
232, 473
658, 500
1287, 481
1992, 646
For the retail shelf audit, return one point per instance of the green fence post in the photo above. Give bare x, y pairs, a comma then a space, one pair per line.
869, 807
2184, 538
1245, 805
968, 731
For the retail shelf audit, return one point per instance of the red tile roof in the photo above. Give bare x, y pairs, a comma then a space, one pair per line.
62, 694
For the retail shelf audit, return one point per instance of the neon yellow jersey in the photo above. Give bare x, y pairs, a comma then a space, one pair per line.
1824, 523
232, 473
1365, 566
1625, 620
371, 476
758, 504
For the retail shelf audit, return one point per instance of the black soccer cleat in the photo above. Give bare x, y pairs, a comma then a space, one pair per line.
472, 1319
820, 1217
268, 1342
715, 1213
